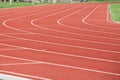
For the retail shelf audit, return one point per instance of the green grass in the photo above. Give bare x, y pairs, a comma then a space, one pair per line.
21, 4
115, 12
17, 4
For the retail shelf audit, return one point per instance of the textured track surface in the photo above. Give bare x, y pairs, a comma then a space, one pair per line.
60, 42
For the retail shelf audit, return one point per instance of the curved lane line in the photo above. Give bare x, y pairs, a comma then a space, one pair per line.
73, 67
25, 75
64, 54
59, 22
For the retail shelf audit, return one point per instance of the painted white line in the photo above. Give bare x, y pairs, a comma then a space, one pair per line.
25, 11
73, 67
14, 33
24, 75
97, 42
4, 22
86, 69
17, 33
11, 77
32, 22
66, 45
79, 34
62, 24
4, 49
11, 57
27, 16
84, 57
16, 64
7, 40
59, 20
53, 43
63, 38
19, 13
64, 54
84, 21
88, 41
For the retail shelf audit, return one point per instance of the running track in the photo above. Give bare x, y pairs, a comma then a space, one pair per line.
60, 42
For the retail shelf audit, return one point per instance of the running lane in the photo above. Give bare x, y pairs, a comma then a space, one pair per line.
57, 44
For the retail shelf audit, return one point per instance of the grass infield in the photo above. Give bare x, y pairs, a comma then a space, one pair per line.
17, 4
115, 12
20, 4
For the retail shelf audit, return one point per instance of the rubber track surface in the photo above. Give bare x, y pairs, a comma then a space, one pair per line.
60, 42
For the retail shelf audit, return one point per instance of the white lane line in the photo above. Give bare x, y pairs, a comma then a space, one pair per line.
106, 43
25, 11
73, 67
85, 57
11, 77
109, 43
79, 34
24, 75
62, 24
67, 54
84, 21
66, 45
17, 58
19, 13
8, 39
64, 54
7, 20
16, 64
118, 52
15, 33
5, 49
86, 69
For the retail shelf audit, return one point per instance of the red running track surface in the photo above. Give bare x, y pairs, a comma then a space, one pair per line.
60, 42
